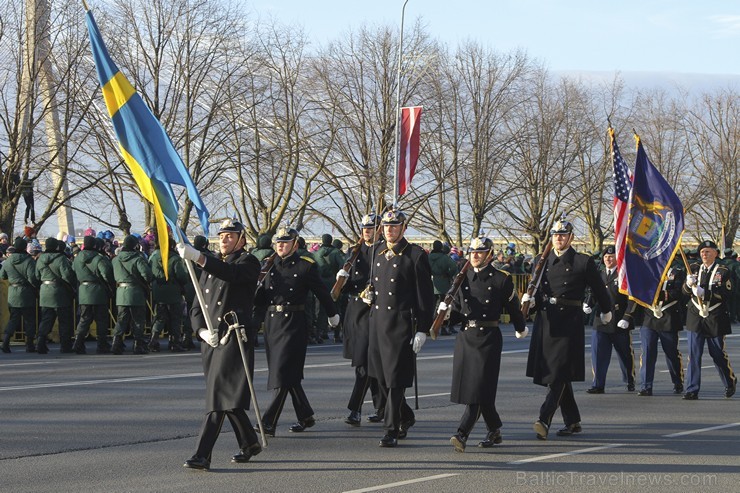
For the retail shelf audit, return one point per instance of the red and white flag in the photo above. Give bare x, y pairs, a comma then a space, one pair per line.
622, 189
410, 122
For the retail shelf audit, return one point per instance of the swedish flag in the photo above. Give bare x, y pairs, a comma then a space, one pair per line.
145, 146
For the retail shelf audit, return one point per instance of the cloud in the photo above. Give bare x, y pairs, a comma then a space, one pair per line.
726, 26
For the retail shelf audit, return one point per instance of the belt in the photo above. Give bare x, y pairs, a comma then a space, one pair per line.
126, 285
89, 283
564, 302
17, 285
49, 282
286, 308
474, 324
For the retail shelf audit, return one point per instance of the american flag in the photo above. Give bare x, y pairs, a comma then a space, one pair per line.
622, 189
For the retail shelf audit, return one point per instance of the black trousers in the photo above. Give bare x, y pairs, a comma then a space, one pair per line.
473, 412
397, 411
167, 316
243, 429
88, 314
363, 382
301, 405
66, 322
28, 315
560, 395
132, 317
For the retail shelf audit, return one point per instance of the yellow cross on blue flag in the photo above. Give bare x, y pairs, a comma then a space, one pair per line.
145, 146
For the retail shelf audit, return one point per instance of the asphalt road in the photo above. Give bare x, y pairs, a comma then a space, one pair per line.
126, 423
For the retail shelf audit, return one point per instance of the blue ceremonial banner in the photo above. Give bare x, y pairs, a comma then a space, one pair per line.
654, 231
145, 146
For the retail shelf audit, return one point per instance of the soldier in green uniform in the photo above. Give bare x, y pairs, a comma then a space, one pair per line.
133, 275
20, 271
329, 260
444, 270
95, 277
167, 295
56, 296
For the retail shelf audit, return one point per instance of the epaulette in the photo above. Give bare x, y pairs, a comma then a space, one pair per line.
503, 272
308, 259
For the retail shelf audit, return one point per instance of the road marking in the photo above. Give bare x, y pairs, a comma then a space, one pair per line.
98, 382
30, 363
566, 454
401, 483
701, 430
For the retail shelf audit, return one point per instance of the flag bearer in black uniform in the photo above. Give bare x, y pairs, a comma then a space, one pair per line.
284, 292
482, 296
615, 334
663, 322
400, 318
707, 319
556, 349
357, 321
228, 284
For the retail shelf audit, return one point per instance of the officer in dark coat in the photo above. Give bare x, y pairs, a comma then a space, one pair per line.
357, 321
707, 320
167, 297
228, 284
133, 276
614, 334
400, 319
94, 273
663, 321
56, 296
284, 293
556, 349
20, 271
484, 293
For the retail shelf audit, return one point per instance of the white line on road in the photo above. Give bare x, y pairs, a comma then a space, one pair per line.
701, 430
402, 483
566, 454
30, 363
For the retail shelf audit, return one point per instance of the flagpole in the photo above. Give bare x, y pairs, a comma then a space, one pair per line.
398, 110
198, 291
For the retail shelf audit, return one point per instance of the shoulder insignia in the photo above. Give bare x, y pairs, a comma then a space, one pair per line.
503, 272
308, 259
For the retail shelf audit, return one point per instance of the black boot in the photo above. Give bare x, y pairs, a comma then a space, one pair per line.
79, 345
140, 347
6, 343
154, 343
117, 347
187, 340
174, 345
30, 346
41, 346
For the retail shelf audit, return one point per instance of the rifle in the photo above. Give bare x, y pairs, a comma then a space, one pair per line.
536, 277
266, 267
449, 298
339, 284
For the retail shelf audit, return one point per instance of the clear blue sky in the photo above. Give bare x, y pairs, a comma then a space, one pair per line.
697, 36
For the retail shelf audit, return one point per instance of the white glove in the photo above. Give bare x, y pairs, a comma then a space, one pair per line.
587, 309
342, 273
623, 324
210, 337
522, 334
698, 291
442, 307
418, 341
188, 252
692, 281
526, 297
658, 311
334, 320
605, 317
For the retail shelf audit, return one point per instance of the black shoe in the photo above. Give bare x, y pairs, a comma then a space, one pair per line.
153, 345
117, 347
174, 346
541, 429
377, 417
354, 418
691, 396
458, 441
404, 429
6, 348
269, 430
196, 462
302, 424
730, 391
80, 348
389, 441
596, 390
630, 387
678, 388
569, 430
493, 437
645, 392
30, 348
245, 454
140, 348
42, 348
